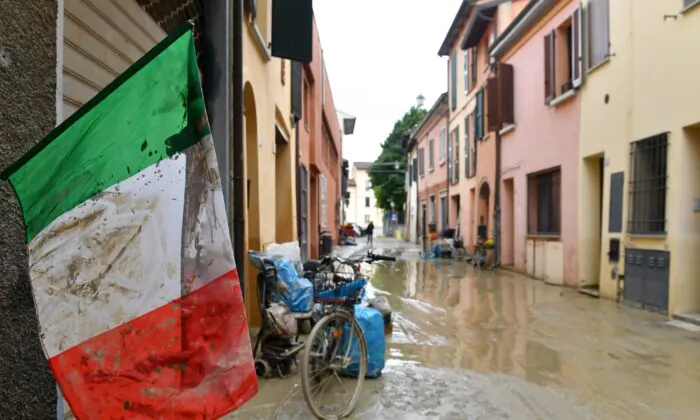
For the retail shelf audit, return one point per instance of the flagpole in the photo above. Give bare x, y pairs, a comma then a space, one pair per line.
239, 197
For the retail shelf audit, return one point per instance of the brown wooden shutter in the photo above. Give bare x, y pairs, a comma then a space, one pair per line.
492, 104
577, 56
549, 81
507, 96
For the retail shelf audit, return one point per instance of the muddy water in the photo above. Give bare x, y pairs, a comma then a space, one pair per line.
496, 345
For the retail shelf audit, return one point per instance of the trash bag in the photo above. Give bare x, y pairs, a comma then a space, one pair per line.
288, 251
282, 322
372, 324
296, 292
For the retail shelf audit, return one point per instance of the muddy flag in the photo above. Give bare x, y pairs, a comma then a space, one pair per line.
130, 257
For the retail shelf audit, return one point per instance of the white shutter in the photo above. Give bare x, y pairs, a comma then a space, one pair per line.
101, 40
577, 47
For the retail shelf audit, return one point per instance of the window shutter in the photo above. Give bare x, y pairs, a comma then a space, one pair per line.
453, 79
456, 156
598, 31
493, 103
466, 147
549, 67
479, 120
577, 56
475, 57
297, 90
507, 96
475, 141
449, 156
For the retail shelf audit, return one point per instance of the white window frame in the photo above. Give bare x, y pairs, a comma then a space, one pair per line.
443, 145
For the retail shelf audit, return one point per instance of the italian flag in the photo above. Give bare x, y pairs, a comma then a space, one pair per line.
130, 257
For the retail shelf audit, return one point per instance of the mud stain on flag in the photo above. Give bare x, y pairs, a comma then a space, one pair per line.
111, 259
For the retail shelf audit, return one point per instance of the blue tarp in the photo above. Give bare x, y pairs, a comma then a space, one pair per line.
296, 292
372, 324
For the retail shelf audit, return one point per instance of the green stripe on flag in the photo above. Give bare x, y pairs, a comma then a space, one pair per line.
152, 111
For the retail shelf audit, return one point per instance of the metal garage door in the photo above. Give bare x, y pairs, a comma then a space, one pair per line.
102, 38
647, 278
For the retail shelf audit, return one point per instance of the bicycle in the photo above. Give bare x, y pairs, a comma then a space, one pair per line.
338, 294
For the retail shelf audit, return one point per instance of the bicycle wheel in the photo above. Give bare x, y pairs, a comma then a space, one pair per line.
332, 348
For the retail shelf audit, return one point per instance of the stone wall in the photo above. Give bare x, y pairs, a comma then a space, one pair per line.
27, 113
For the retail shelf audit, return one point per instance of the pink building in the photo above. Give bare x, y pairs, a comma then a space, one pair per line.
428, 139
539, 147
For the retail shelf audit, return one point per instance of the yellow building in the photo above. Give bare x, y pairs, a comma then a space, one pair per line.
269, 147
640, 148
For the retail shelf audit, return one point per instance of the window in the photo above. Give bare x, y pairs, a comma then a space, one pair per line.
368, 185
366, 201
563, 55
414, 169
366, 218
453, 79
307, 100
443, 145
544, 203
421, 161
466, 72
466, 147
431, 210
455, 159
449, 156
444, 215
599, 31
649, 172
479, 116
323, 200
431, 155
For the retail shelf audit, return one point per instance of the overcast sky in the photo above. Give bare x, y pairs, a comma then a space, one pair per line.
380, 54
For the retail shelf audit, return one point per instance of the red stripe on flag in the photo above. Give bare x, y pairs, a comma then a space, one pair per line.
144, 370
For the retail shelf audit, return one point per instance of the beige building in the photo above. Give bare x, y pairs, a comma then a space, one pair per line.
362, 208
639, 194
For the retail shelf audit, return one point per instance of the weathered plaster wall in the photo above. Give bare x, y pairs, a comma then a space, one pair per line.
27, 113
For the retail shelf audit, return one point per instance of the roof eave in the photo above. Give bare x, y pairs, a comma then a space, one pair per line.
455, 27
531, 14
483, 15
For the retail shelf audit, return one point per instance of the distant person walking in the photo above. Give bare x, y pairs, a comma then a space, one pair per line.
369, 231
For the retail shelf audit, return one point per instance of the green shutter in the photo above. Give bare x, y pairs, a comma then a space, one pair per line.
466, 147
479, 115
453, 79
456, 158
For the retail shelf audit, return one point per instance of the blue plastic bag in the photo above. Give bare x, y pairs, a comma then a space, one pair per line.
296, 292
372, 324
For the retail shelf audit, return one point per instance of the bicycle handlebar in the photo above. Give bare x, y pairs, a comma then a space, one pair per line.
369, 257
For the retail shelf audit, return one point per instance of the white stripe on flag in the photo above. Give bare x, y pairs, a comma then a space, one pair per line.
113, 258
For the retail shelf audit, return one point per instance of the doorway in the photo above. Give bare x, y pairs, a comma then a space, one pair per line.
253, 201
508, 237
591, 234
483, 210
303, 212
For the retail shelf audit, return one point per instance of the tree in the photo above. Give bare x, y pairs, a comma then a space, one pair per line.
391, 186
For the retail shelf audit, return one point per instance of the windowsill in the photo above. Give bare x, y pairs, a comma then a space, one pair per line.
507, 129
605, 61
562, 98
546, 236
443, 162
259, 41
431, 169
647, 235
690, 7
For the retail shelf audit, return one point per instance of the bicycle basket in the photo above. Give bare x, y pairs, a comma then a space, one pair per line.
329, 291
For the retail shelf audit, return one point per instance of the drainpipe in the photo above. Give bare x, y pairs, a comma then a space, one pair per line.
449, 146
497, 204
298, 182
239, 202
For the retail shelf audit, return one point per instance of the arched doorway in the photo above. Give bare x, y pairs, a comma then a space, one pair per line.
482, 212
253, 199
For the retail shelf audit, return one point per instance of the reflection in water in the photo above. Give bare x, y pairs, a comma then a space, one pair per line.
496, 345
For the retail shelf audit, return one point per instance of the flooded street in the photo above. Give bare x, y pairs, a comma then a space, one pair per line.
497, 345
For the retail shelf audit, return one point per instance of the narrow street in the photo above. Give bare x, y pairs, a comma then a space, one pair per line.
498, 345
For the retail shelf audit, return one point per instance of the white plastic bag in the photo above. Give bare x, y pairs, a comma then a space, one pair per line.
281, 320
288, 251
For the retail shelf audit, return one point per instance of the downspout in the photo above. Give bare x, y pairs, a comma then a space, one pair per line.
298, 182
238, 162
449, 146
497, 204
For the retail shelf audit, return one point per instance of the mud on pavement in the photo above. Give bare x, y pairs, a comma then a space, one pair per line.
497, 345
